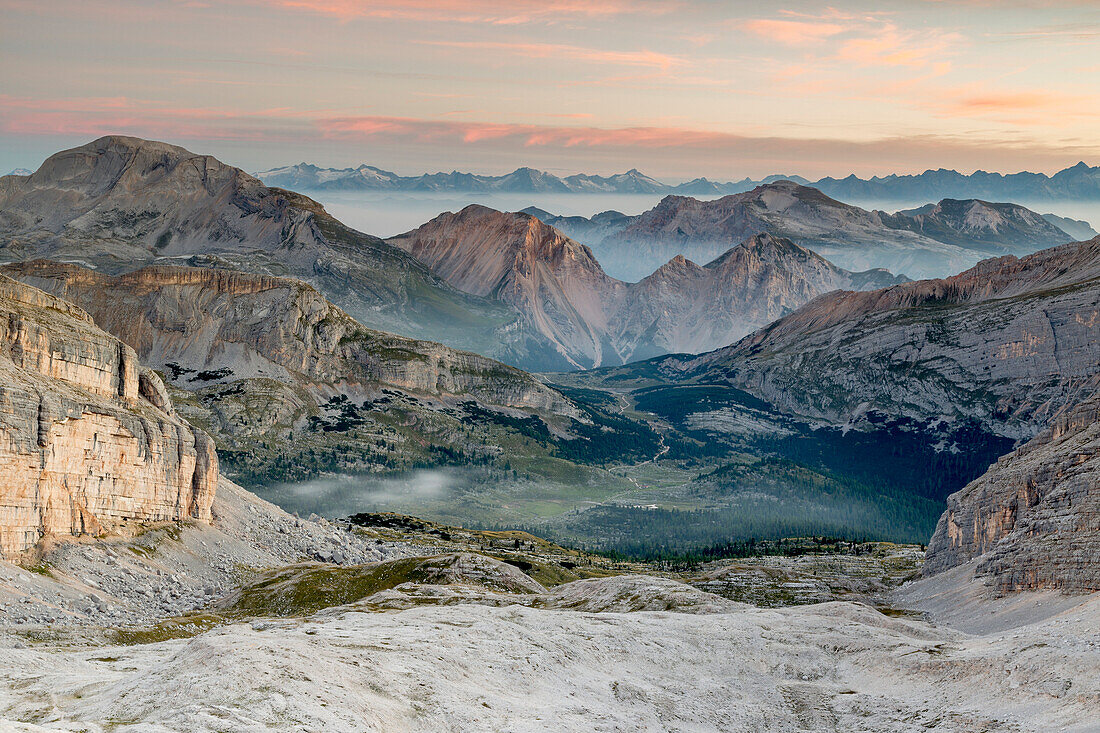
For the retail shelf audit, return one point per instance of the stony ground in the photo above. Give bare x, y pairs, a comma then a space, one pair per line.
171, 569
833, 666
250, 625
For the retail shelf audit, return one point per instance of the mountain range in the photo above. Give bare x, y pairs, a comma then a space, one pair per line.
564, 293
120, 203
944, 373
932, 241
923, 379
308, 177
215, 599
1077, 183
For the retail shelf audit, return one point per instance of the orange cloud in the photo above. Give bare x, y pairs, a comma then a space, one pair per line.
525, 135
1017, 107
680, 149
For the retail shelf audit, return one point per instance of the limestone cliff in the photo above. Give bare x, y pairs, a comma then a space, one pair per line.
290, 386
88, 438
1034, 517
234, 325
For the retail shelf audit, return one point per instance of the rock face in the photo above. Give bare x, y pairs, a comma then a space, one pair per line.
251, 326
1013, 344
89, 438
937, 240
291, 386
555, 282
1034, 517
119, 203
1009, 343
594, 319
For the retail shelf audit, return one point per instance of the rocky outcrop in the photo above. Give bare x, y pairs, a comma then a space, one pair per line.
88, 439
1033, 519
594, 319
230, 326
1009, 343
120, 203
934, 241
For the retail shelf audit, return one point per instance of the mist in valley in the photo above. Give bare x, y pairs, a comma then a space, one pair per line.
341, 495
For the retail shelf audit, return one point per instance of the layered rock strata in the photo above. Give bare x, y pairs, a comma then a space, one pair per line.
222, 326
88, 437
1034, 517
1008, 343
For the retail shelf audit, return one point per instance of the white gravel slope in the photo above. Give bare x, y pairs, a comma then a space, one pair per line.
833, 666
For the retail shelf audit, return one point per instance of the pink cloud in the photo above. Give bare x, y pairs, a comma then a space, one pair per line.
96, 116
524, 135
793, 32
497, 12
681, 148
889, 46
557, 51
1017, 107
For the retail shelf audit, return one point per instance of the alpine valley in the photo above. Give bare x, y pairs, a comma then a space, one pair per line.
764, 462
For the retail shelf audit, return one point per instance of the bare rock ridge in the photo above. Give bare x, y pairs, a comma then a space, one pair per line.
934, 241
555, 282
90, 438
595, 319
1033, 519
1009, 343
250, 326
119, 203
288, 384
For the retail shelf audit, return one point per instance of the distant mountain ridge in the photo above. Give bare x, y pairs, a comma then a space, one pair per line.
307, 177
933, 241
596, 319
1079, 182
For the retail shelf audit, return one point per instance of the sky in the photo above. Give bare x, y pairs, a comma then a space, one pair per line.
676, 88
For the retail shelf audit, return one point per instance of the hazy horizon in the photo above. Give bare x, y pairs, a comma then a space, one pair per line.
387, 213
722, 90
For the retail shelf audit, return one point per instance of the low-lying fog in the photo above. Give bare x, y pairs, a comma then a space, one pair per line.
339, 496
385, 213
